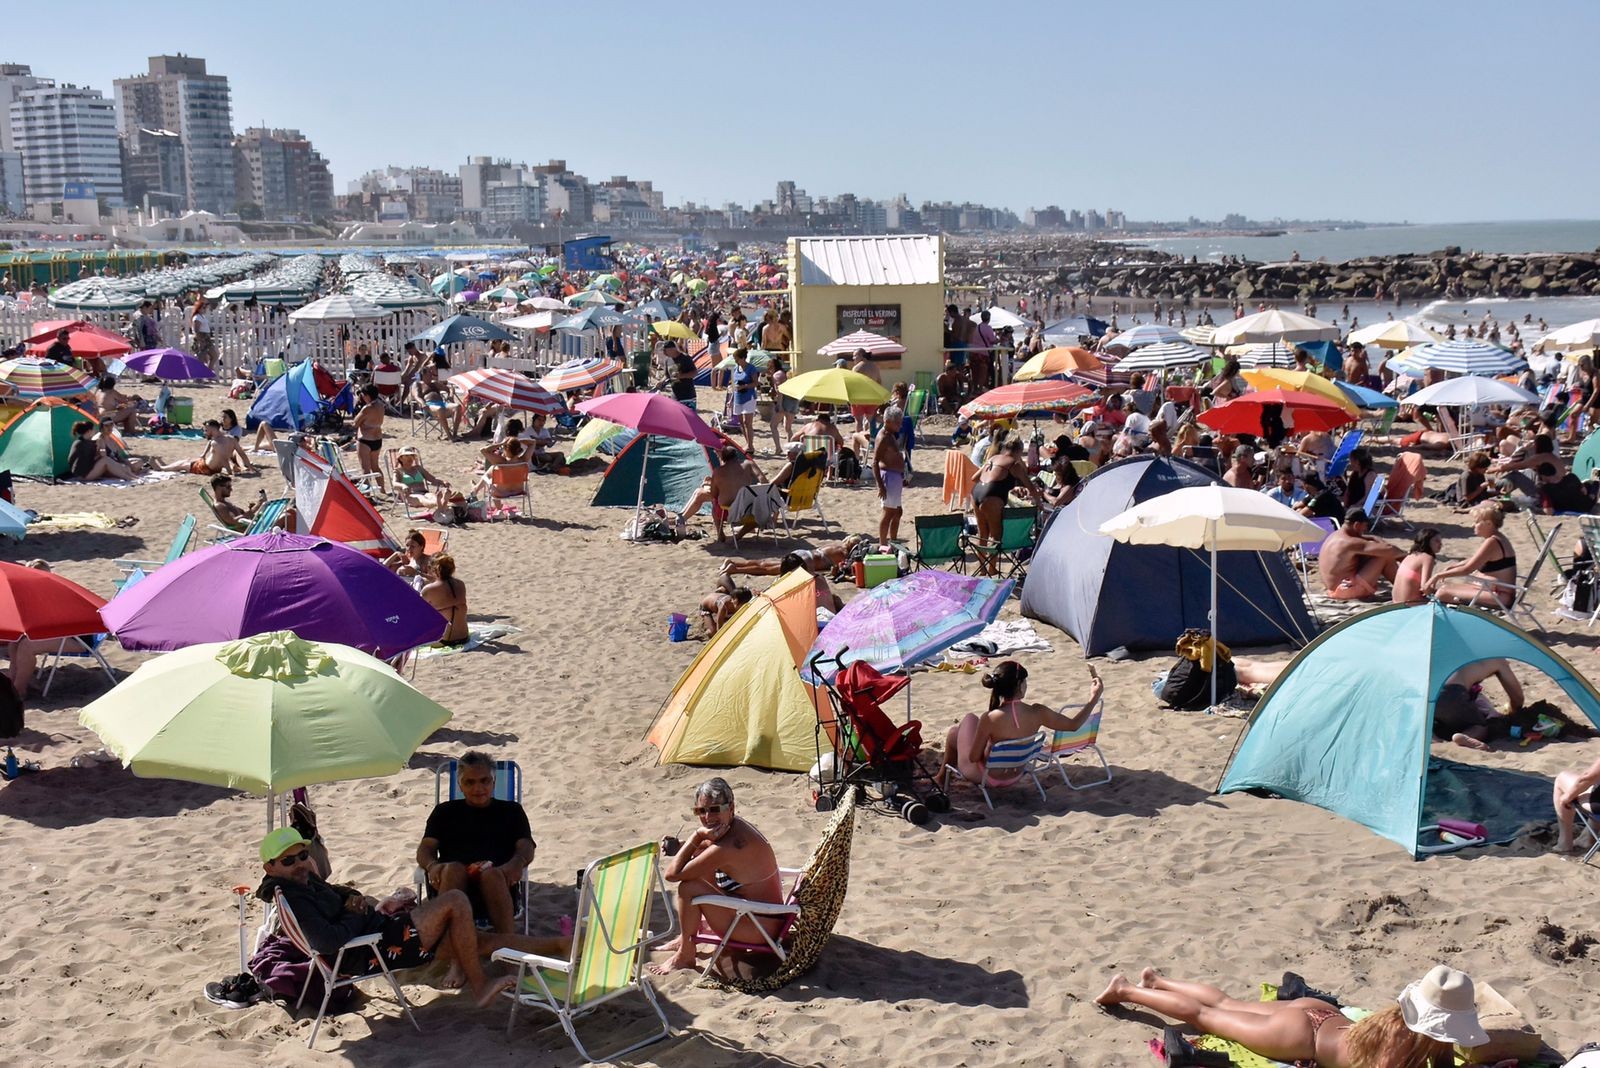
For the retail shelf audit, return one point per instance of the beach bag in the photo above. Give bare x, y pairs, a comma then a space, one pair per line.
1578, 597
10, 710
848, 466
1188, 684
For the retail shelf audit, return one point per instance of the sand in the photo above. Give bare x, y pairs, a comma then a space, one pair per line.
980, 939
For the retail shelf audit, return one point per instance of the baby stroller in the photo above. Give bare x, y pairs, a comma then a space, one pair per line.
869, 754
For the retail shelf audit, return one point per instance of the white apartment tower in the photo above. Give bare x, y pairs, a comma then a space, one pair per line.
178, 95
66, 135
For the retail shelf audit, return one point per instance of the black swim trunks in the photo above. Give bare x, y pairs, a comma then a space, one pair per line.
401, 946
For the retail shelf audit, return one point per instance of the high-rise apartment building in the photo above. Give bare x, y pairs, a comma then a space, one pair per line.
14, 78
66, 135
281, 173
178, 95
153, 171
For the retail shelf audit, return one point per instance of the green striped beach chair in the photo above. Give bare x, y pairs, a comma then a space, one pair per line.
608, 948
179, 546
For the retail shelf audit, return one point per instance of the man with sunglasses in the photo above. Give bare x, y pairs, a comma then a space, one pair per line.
413, 935
725, 856
478, 843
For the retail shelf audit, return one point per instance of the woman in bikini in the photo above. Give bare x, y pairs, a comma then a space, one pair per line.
368, 426
726, 856
1431, 1016
1494, 561
1009, 717
1416, 570
1003, 472
449, 595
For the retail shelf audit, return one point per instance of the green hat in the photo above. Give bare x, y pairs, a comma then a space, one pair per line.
278, 842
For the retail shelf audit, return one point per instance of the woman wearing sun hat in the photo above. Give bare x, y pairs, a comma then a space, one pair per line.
1431, 1016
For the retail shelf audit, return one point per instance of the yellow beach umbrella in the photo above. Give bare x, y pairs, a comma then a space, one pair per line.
1304, 381
834, 385
1062, 360
1395, 334
673, 328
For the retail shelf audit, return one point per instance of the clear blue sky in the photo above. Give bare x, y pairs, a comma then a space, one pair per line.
1405, 109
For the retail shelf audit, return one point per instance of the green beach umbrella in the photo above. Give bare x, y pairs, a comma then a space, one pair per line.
36, 442
759, 358
591, 436
695, 285
265, 714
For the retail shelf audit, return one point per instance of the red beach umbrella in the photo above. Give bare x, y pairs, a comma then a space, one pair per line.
42, 605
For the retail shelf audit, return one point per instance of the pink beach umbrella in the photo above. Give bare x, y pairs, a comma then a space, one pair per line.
649, 414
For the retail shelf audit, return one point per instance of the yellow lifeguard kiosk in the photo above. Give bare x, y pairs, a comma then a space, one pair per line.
890, 285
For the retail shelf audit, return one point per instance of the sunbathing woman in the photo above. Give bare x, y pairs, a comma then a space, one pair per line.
1432, 1015
1002, 473
1009, 717
414, 479
1494, 561
1416, 570
449, 595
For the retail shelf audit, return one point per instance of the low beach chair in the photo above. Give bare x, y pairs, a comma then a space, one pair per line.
941, 541
1373, 505
1008, 558
805, 489
81, 647
265, 519
1518, 608
608, 948
1557, 578
756, 509
179, 546
1020, 755
1341, 455
1588, 820
1064, 746
824, 444
506, 482
507, 787
1589, 530
1462, 440
328, 970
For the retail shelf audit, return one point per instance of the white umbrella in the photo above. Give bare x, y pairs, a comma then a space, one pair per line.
1274, 325
1214, 517
540, 320
1471, 390
545, 304
999, 317
1398, 334
1582, 335
339, 308
1164, 356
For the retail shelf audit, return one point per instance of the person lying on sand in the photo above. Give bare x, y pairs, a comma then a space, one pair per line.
1571, 786
215, 458
1431, 1015
719, 607
725, 856
966, 745
820, 561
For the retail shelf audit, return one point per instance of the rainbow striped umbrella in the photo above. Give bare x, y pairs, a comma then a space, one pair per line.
35, 376
580, 373
1021, 398
507, 388
906, 621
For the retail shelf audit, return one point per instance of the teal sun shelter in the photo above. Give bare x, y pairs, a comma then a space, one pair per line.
674, 471
1348, 724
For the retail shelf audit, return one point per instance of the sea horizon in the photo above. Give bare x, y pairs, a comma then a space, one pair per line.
1511, 237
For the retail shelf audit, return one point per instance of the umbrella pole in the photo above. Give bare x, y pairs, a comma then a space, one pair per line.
272, 806
1213, 614
638, 504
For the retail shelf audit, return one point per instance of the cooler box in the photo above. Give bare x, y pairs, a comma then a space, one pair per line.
180, 410
876, 569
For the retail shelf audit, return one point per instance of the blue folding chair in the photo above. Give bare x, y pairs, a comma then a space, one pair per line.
507, 787
1341, 455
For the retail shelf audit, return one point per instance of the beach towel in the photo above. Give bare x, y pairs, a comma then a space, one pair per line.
478, 635
1003, 637
182, 434
143, 480
75, 521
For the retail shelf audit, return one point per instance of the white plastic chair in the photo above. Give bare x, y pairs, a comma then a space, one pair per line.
788, 911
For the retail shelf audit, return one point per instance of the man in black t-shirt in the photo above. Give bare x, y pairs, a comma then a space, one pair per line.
683, 375
1562, 493
1320, 500
478, 843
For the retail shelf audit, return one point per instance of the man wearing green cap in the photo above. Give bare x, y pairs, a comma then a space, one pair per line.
413, 934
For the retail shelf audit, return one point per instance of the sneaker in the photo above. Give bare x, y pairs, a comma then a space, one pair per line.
681, 525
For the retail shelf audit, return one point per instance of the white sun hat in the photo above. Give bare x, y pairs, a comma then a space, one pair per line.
1442, 1005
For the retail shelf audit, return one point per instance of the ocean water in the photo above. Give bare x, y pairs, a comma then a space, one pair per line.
1548, 235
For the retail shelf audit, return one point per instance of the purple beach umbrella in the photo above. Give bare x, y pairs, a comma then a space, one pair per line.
170, 364
321, 590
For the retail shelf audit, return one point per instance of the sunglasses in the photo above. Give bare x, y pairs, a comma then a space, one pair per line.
710, 810
287, 861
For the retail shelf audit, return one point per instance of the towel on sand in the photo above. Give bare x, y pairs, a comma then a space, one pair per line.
1003, 637
478, 635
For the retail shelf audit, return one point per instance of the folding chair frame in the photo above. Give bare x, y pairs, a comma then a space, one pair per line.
331, 980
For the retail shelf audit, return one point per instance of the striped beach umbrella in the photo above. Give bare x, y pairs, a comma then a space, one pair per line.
1267, 354
1142, 335
339, 308
507, 388
1200, 335
875, 344
35, 376
1464, 356
1022, 398
581, 373
1397, 334
1164, 356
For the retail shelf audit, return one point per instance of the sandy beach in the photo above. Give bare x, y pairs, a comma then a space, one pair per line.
979, 939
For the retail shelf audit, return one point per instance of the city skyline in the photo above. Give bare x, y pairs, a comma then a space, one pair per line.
1075, 107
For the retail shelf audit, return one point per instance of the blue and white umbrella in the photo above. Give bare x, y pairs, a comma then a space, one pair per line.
1144, 334
1267, 354
1464, 356
462, 328
1364, 397
595, 317
13, 520
1164, 356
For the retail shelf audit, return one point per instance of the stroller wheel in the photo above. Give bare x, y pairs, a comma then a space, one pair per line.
915, 811
939, 803
826, 803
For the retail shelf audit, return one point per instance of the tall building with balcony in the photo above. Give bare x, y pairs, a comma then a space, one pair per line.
66, 136
178, 95
152, 170
280, 172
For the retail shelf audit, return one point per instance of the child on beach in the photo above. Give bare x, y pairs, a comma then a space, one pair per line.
719, 606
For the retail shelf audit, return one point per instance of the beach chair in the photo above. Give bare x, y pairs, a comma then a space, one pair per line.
825, 444
771, 943
941, 541
805, 489
1518, 608
1588, 821
1020, 755
1008, 558
328, 970
923, 380
507, 787
1341, 455
265, 519
370, 483
506, 482
1557, 578
1404, 482
1462, 442
756, 509
1589, 530
959, 475
1373, 505
179, 546
608, 948
1381, 422
81, 647
1064, 746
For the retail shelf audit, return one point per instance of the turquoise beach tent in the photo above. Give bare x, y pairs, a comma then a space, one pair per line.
1347, 725
676, 469
1586, 462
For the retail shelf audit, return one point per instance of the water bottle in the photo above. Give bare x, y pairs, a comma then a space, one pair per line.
11, 763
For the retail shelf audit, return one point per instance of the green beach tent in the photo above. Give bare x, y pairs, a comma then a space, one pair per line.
36, 442
1586, 462
1348, 724
676, 469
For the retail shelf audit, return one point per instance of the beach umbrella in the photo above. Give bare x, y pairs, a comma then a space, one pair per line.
36, 441
581, 373
339, 308
542, 303
593, 317
317, 588
449, 282
658, 309
1061, 360
1000, 318
269, 713
874, 344
467, 296
594, 298
674, 329
1302, 411
1471, 391
169, 364
1302, 382
1265, 354
1274, 325
1215, 517
1395, 334
696, 285
1199, 335
540, 320
1142, 335
460, 329
906, 621
590, 436
42, 605
650, 414
834, 385
1068, 331
1023, 398
1582, 335
503, 293
605, 281
759, 358
507, 388
1164, 356
1365, 397
1465, 356
35, 376
85, 339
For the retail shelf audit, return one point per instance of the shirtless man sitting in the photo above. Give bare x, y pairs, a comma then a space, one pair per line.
1351, 561
229, 514
725, 856
219, 453
721, 487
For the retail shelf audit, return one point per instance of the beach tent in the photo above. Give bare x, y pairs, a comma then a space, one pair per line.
328, 504
676, 469
1107, 594
290, 401
1586, 461
1347, 725
741, 702
35, 443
